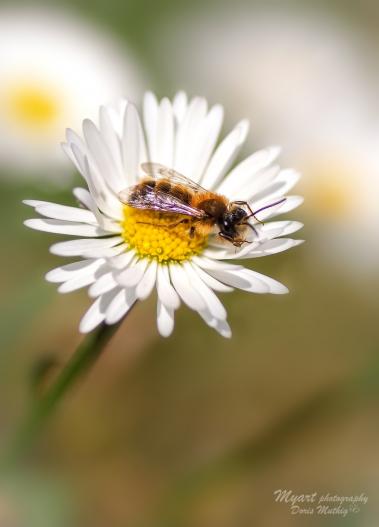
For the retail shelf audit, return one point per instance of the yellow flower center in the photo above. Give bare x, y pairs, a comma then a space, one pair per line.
160, 235
32, 106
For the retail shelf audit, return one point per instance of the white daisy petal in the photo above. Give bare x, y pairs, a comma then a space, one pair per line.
240, 281
62, 212
133, 274
71, 270
111, 138
187, 135
122, 302
79, 247
211, 300
122, 260
179, 106
165, 134
290, 203
224, 155
166, 292
216, 285
181, 282
97, 312
272, 247
165, 319
150, 119
64, 227
99, 153
246, 170
147, 282
85, 198
206, 140
77, 282
133, 144
103, 284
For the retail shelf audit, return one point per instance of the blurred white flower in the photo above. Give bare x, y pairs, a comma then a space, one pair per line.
126, 251
54, 69
309, 82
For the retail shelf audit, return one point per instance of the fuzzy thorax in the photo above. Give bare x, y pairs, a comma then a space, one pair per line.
161, 236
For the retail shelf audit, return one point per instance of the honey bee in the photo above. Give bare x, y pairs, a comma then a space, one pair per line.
165, 190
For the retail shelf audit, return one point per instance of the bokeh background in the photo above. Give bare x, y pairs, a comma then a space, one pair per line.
197, 431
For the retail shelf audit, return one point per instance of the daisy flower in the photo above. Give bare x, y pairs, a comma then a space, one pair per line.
54, 69
124, 252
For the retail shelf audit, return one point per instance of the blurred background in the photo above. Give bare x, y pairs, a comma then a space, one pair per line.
197, 431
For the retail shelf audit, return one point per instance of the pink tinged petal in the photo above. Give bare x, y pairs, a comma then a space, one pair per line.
147, 282
211, 300
133, 274
99, 153
165, 134
187, 135
105, 283
165, 319
247, 170
224, 155
150, 119
179, 106
96, 313
120, 305
216, 285
64, 227
190, 296
79, 247
72, 270
166, 293
133, 145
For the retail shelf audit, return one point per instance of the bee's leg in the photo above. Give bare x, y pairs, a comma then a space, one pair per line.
171, 225
192, 231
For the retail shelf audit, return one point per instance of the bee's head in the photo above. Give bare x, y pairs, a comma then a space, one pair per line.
230, 220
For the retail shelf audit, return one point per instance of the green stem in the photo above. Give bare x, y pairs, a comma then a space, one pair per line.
86, 354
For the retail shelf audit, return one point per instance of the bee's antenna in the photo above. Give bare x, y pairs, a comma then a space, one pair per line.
269, 206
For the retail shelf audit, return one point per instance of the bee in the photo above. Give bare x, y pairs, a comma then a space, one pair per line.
165, 190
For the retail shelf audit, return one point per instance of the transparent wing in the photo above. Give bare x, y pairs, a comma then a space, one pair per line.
143, 196
158, 171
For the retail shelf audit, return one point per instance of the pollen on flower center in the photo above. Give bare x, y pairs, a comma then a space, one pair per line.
159, 235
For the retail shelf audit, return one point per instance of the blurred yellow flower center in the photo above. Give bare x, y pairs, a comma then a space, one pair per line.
34, 107
159, 235
330, 192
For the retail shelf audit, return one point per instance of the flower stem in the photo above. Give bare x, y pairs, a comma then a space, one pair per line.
80, 362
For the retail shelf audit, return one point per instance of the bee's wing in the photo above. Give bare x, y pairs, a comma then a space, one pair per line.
158, 171
150, 198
